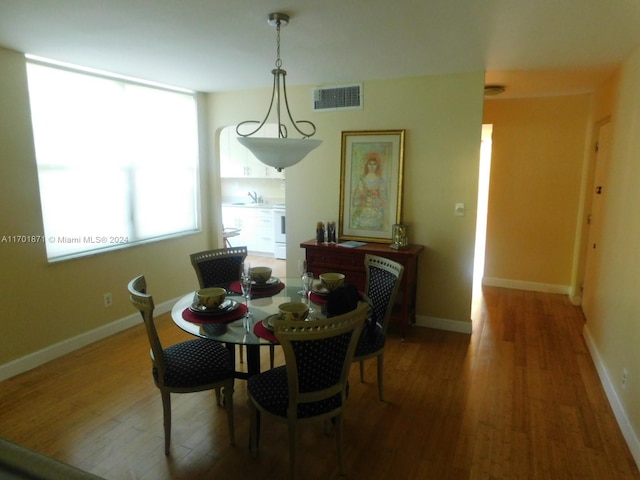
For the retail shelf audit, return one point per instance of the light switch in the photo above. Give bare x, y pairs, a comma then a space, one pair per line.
459, 212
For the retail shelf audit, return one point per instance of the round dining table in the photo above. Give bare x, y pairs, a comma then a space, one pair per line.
248, 331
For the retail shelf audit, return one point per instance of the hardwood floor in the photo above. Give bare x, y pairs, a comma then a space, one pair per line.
518, 399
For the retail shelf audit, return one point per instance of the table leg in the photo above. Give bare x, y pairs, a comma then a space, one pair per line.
253, 359
231, 348
253, 368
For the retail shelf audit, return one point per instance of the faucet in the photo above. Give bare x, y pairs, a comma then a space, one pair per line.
254, 197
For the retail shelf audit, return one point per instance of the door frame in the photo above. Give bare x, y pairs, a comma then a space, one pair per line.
585, 230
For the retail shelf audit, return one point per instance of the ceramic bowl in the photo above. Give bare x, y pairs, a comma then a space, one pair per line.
331, 281
211, 297
260, 274
293, 311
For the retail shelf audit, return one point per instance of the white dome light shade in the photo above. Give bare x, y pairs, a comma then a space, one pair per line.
279, 152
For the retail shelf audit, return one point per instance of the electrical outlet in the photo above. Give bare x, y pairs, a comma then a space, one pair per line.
108, 300
625, 378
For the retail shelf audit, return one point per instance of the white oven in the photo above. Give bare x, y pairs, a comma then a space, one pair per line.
280, 232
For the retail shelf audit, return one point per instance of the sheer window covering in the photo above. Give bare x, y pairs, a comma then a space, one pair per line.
117, 161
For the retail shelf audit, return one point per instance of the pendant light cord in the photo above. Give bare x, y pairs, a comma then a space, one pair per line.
278, 61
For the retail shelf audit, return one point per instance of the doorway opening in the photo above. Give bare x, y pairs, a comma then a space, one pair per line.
483, 203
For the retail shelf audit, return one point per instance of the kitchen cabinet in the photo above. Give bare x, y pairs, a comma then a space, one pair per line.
236, 161
255, 224
263, 240
322, 258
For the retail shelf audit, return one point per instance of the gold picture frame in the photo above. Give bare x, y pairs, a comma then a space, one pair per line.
371, 177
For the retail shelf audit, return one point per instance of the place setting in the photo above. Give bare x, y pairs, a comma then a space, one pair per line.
262, 283
210, 305
291, 311
299, 311
328, 282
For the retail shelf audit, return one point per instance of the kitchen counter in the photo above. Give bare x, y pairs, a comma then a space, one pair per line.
255, 205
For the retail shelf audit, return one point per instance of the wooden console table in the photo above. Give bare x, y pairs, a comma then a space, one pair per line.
322, 258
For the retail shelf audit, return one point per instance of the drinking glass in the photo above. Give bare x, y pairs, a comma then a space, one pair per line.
245, 269
245, 283
307, 285
302, 268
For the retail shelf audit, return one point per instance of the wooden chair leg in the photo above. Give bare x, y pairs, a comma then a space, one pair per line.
380, 375
241, 353
340, 424
166, 409
228, 404
272, 353
253, 429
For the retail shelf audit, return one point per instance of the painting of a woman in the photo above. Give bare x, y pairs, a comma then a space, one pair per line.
369, 199
370, 184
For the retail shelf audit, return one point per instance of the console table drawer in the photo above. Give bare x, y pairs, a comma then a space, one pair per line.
330, 259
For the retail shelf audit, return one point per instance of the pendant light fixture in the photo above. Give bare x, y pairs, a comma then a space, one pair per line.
280, 152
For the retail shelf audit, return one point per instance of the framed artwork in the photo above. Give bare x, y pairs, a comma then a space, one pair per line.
370, 184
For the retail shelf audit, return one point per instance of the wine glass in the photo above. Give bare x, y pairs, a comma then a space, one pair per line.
245, 284
302, 268
245, 269
307, 285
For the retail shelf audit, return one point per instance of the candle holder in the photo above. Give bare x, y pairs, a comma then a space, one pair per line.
320, 232
399, 238
331, 232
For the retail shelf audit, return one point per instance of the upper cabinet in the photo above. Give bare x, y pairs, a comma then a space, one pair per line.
236, 161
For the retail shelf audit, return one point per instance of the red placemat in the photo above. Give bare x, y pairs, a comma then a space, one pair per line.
319, 299
263, 332
192, 317
258, 293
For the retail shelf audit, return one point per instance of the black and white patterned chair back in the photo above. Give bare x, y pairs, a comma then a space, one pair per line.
319, 363
220, 271
318, 353
218, 267
383, 281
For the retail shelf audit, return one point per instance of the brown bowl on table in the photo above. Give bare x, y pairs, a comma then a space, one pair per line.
331, 281
260, 274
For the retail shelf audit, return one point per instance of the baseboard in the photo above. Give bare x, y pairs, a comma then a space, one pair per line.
35, 359
522, 285
622, 418
444, 324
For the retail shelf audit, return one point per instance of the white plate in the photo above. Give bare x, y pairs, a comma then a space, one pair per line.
319, 290
268, 322
272, 282
229, 305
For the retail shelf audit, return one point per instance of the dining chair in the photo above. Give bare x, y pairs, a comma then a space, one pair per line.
383, 277
228, 233
311, 386
191, 366
221, 267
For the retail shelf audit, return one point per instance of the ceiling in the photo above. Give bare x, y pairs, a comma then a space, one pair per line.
536, 47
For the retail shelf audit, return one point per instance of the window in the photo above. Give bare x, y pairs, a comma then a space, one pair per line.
117, 160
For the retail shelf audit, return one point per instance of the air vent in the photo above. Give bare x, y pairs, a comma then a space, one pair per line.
344, 97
